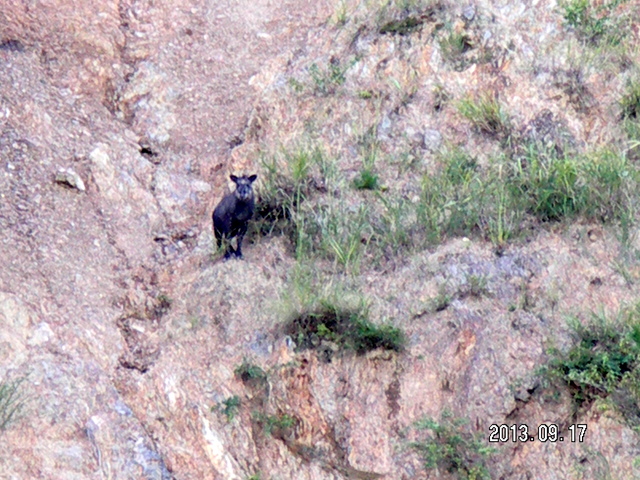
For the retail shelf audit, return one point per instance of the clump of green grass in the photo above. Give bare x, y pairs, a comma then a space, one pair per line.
477, 285
452, 448
287, 180
441, 301
396, 227
366, 180
604, 359
336, 231
347, 327
12, 401
599, 185
486, 114
549, 184
594, 23
450, 199
538, 186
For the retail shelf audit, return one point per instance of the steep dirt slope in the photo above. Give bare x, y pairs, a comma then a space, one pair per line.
120, 122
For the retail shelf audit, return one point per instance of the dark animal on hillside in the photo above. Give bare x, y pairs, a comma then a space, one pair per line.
231, 216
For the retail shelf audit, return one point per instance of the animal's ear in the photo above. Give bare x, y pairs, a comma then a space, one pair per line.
233, 178
252, 178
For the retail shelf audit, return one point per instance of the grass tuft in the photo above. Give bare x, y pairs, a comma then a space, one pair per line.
486, 114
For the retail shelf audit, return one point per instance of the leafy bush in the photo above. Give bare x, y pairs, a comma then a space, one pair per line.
605, 357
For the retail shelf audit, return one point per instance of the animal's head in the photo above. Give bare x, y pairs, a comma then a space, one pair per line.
244, 191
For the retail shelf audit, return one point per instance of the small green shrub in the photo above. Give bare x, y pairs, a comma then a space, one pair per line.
453, 448
278, 426
604, 359
229, 407
12, 401
486, 114
250, 373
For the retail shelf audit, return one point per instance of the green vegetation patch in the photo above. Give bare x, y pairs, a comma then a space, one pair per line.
404, 26
366, 180
630, 115
540, 185
595, 22
454, 46
326, 81
487, 114
12, 401
229, 407
347, 328
277, 426
251, 374
603, 361
450, 447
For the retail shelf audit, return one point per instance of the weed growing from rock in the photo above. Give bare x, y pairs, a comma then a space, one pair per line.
326, 81
250, 373
452, 448
229, 407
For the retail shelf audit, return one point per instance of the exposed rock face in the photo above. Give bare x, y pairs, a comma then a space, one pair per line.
128, 333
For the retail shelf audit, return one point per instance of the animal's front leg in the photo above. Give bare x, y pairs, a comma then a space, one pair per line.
238, 251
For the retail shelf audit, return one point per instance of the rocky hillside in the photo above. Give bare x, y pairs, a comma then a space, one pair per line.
440, 281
